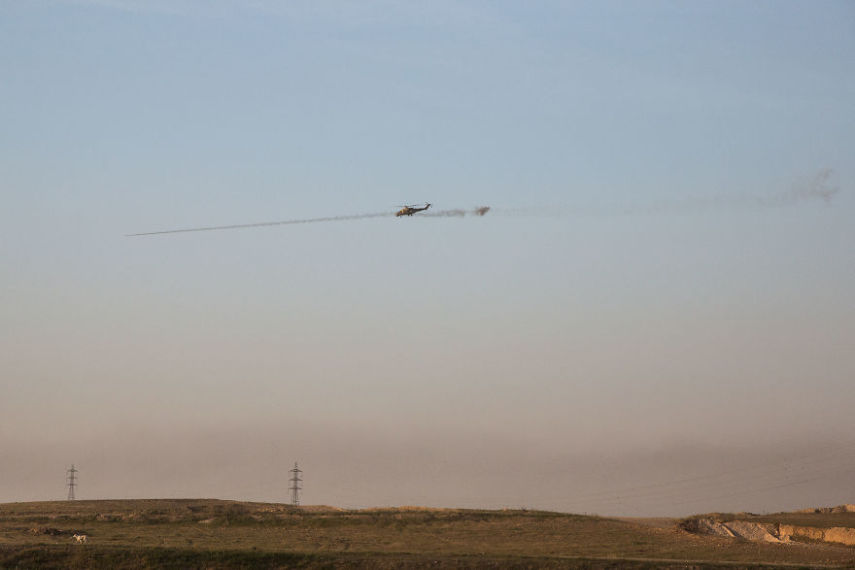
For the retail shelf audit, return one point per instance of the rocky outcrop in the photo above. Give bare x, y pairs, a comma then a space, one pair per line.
768, 532
838, 534
745, 530
706, 526
751, 531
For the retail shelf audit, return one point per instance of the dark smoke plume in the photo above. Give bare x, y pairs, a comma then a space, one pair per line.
456, 213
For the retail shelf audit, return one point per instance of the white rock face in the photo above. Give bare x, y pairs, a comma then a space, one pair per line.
751, 531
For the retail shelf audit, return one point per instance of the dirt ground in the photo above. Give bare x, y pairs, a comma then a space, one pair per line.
225, 534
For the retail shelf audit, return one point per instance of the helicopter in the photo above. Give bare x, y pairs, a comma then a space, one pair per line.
410, 210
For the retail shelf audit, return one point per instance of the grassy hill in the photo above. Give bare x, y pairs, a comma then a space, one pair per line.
203, 533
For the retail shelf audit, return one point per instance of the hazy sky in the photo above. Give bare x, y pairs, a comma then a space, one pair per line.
658, 316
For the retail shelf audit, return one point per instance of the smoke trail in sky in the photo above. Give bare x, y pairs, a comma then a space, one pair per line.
816, 187
804, 190
264, 224
442, 213
458, 213
812, 188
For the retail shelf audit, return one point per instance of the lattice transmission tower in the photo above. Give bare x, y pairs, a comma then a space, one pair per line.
295, 487
71, 477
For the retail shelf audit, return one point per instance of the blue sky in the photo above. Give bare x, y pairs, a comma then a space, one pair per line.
659, 290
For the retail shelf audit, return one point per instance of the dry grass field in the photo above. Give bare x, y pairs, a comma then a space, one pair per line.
203, 533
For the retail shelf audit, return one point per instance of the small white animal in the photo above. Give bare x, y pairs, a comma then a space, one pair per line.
81, 538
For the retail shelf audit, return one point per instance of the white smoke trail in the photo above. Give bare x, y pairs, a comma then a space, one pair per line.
264, 224
442, 213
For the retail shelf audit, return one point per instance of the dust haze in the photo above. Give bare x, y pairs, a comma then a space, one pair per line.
351, 467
